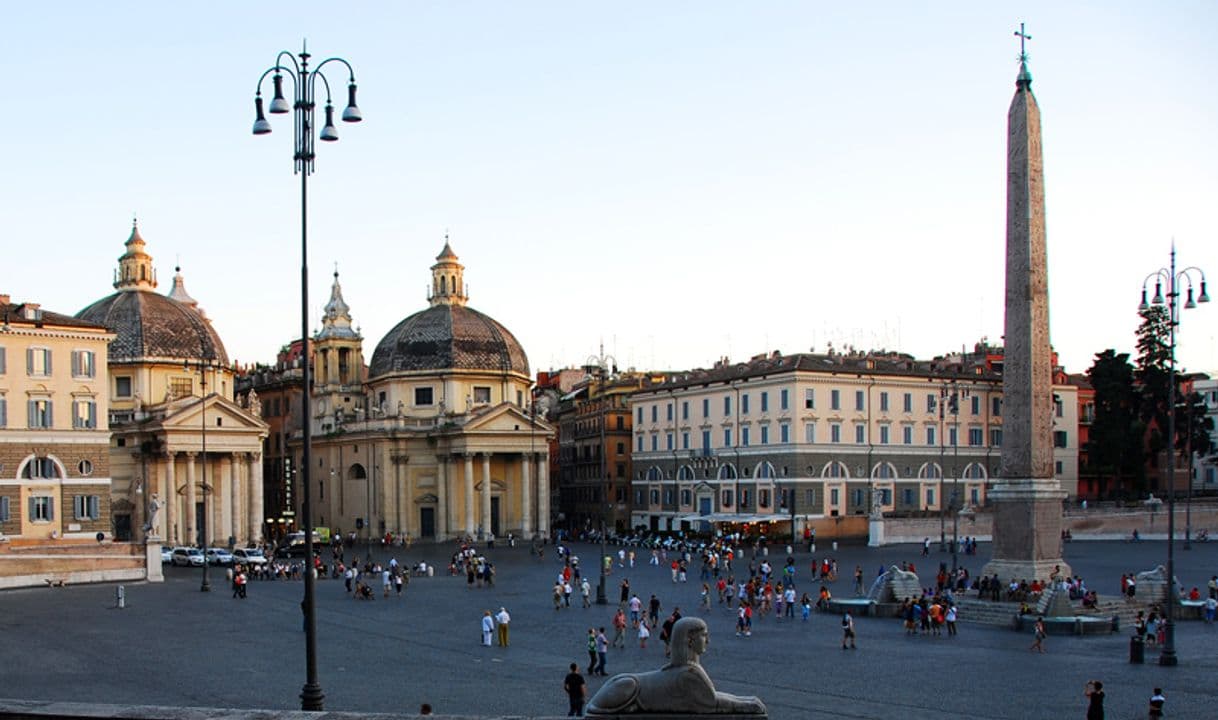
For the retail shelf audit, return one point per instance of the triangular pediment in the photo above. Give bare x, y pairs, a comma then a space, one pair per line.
222, 415
507, 418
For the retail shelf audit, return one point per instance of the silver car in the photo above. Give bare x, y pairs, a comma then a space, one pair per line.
219, 556
249, 556
187, 556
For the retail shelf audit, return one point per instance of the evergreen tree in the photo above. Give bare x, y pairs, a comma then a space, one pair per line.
1115, 444
1153, 373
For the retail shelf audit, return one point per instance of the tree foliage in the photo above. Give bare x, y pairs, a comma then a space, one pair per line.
1114, 447
1152, 375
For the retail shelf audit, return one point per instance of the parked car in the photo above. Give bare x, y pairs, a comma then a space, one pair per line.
166, 554
187, 556
219, 556
249, 556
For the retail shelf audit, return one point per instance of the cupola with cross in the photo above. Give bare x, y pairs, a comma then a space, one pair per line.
135, 271
447, 281
338, 352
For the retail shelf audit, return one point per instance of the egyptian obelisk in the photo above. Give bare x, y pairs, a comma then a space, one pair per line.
1027, 498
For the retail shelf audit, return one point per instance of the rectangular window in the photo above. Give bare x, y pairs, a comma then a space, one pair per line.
765, 402
765, 435
908, 402
668, 497
705, 407
810, 432
835, 433
886, 496
727, 405
87, 507
423, 396
668, 411
38, 361
746, 497
182, 387
640, 443
727, 437
951, 436
907, 496
930, 402
784, 434
930, 435
706, 443
84, 364
858, 497
655, 442
784, 398
883, 402
930, 497
883, 434
835, 399
726, 498
975, 437
655, 413
907, 435
763, 498
42, 508
1059, 438
84, 415
744, 437
996, 406
860, 434
640, 413
655, 497
835, 496
1058, 407
5, 510
638, 497
995, 437
684, 409
810, 399
859, 403
668, 441
744, 404
41, 414
976, 404
974, 496
685, 441
3, 412
482, 395
1058, 466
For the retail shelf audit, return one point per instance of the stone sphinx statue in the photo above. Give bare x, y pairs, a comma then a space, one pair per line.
681, 687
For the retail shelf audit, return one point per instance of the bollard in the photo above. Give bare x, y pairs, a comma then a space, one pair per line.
121, 596
834, 546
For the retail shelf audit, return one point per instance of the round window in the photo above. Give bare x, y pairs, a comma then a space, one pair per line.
85, 467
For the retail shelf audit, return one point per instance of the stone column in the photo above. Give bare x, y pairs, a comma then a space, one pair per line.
169, 496
486, 493
442, 508
1027, 497
526, 493
543, 495
236, 476
469, 494
255, 495
192, 532
221, 475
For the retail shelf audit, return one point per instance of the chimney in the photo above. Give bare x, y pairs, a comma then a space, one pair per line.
4, 299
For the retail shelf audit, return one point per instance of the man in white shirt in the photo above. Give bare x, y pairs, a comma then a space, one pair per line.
503, 619
488, 627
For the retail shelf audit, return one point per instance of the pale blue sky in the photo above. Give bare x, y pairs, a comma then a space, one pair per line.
682, 179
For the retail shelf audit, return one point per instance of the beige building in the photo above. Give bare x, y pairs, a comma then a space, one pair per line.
183, 454
54, 464
438, 443
814, 435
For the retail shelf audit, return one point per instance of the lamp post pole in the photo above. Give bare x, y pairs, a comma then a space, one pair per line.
957, 394
205, 586
944, 394
304, 85
1167, 655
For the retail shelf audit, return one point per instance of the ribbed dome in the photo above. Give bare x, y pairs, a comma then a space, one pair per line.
150, 325
446, 337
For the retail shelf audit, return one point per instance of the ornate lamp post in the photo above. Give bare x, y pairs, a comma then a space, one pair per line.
602, 366
1173, 279
203, 367
304, 86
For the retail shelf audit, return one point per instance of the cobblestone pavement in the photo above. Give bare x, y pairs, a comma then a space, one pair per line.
174, 645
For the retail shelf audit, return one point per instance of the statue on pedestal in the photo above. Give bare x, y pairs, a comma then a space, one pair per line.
154, 508
681, 687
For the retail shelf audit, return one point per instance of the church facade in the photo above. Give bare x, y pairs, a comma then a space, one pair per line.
184, 458
437, 441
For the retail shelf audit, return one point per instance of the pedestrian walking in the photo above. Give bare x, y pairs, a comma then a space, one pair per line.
848, 630
645, 633
585, 589
576, 690
1157, 701
592, 660
602, 648
1094, 692
625, 596
1039, 633
619, 629
502, 620
951, 620
488, 627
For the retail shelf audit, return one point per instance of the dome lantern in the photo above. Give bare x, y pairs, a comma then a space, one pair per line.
447, 279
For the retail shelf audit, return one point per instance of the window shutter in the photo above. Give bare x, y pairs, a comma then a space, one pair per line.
3, 412
75, 363
50, 415
29, 361
4, 509
50, 508
31, 410
33, 515
3, 363
92, 415
94, 507
47, 357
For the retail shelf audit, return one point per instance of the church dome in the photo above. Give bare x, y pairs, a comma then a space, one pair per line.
448, 335
149, 325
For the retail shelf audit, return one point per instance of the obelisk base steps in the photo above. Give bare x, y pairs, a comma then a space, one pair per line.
1027, 530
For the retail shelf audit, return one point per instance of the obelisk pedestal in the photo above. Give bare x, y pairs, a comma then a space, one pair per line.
1027, 498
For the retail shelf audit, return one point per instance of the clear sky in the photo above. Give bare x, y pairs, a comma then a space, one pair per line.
684, 180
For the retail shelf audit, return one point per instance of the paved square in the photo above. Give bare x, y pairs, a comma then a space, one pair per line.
173, 645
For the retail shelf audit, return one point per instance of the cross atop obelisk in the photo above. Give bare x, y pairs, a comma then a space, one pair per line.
1026, 497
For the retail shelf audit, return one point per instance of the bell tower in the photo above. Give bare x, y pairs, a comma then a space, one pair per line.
339, 357
447, 279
